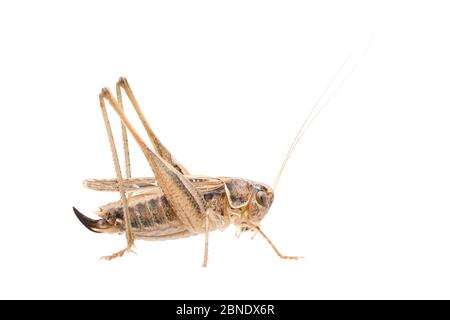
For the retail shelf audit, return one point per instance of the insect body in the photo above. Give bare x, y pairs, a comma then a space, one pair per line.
174, 204
227, 201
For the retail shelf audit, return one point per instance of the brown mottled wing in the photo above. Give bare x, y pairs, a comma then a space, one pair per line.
148, 183
131, 184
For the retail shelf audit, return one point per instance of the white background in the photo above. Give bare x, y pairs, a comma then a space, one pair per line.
365, 197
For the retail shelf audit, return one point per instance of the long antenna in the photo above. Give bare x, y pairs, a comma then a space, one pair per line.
315, 112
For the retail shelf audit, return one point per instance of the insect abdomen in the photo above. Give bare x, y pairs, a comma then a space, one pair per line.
151, 214
152, 218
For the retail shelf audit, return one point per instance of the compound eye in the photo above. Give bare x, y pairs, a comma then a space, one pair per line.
261, 198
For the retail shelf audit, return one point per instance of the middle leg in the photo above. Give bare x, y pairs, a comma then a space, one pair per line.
205, 252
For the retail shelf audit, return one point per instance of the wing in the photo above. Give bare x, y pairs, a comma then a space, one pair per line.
111, 185
148, 184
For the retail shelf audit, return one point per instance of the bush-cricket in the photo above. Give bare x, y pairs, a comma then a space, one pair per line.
175, 204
